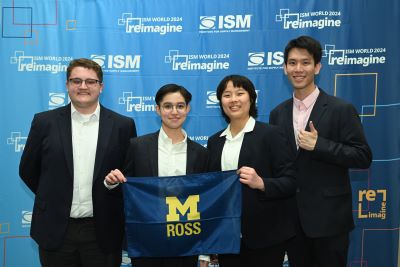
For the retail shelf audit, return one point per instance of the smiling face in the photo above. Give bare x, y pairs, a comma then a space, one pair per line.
84, 98
301, 70
235, 103
173, 111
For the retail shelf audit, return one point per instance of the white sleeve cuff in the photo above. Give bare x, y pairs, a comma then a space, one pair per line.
112, 186
204, 258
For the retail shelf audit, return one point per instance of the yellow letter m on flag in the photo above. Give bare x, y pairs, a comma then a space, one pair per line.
190, 204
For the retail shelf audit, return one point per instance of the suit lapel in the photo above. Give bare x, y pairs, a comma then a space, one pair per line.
318, 110
217, 153
153, 153
105, 130
64, 124
289, 126
247, 140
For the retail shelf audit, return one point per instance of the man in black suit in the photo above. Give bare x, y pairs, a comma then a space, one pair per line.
167, 152
327, 139
76, 221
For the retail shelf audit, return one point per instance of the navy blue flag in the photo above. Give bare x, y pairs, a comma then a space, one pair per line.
183, 215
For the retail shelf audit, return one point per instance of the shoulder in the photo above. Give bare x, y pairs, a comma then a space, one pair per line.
263, 127
116, 116
267, 132
50, 116
280, 111
143, 139
337, 103
215, 136
284, 104
196, 146
332, 100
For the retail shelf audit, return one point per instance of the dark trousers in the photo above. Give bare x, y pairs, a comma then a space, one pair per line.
272, 256
79, 249
190, 261
329, 251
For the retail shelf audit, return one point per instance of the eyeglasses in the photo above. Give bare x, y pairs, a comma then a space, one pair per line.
88, 82
168, 107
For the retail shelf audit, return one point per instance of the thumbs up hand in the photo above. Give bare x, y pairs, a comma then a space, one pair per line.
308, 139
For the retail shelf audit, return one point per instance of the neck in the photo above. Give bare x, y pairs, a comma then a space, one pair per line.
237, 125
301, 94
86, 110
176, 135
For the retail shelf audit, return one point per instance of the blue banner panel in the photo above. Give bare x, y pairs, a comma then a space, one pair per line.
183, 215
142, 45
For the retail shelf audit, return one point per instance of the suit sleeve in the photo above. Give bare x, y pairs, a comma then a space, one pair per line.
30, 164
352, 151
133, 132
282, 183
272, 117
129, 165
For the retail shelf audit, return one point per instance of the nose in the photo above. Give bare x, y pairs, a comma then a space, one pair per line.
83, 84
174, 109
298, 67
234, 98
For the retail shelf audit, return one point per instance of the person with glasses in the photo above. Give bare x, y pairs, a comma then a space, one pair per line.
69, 150
167, 152
259, 152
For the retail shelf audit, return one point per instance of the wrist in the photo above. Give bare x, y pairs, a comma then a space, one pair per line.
108, 183
261, 185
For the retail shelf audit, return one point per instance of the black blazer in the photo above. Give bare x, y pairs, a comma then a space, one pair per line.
142, 158
47, 169
323, 196
265, 217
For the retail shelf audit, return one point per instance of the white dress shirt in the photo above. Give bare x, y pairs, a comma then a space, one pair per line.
232, 146
171, 157
85, 129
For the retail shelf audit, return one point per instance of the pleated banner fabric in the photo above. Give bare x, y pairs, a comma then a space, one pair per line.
183, 215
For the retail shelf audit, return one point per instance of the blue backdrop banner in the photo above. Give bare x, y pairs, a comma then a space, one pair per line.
144, 44
183, 215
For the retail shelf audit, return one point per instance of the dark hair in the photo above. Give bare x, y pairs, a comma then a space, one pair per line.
172, 88
85, 63
305, 42
238, 81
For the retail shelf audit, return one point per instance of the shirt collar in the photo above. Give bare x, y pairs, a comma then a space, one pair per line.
75, 114
249, 127
308, 101
163, 137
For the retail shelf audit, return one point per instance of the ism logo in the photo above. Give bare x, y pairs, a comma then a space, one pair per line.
188, 208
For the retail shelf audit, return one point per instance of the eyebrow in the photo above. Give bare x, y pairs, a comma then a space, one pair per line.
182, 102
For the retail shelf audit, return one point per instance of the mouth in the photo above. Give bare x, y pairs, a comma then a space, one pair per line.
299, 78
234, 108
83, 93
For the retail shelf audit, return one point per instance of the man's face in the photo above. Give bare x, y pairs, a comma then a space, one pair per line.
301, 69
173, 110
84, 95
